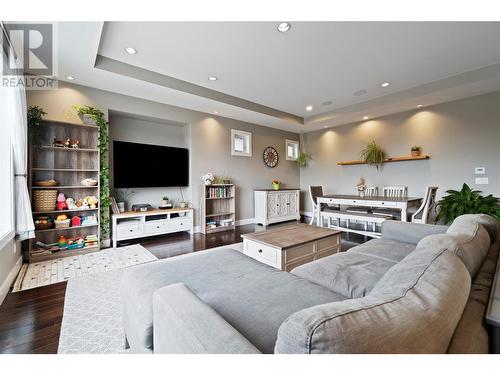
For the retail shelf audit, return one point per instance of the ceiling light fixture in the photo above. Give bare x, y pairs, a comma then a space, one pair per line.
420, 106
212, 78
365, 118
284, 27
130, 50
70, 77
309, 108
385, 84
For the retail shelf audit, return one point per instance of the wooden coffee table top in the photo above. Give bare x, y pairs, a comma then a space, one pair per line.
288, 236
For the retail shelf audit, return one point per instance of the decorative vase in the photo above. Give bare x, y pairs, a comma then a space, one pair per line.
416, 154
121, 206
361, 193
276, 186
208, 182
87, 119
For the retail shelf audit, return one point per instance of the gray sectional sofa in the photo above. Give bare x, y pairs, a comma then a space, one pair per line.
419, 289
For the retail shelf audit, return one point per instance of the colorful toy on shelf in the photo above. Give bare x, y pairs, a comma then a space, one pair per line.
91, 201
74, 143
89, 220
62, 242
75, 243
70, 202
61, 202
76, 221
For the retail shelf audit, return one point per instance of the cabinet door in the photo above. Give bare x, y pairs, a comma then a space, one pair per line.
283, 204
293, 204
272, 205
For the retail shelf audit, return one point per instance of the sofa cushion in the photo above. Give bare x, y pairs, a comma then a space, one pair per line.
473, 241
414, 308
354, 273
252, 297
390, 250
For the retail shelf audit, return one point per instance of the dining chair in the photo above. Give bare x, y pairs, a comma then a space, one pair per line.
395, 191
314, 193
392, 192
371, 191
422, 214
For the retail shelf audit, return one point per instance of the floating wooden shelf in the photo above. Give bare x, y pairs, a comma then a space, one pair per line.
387, 160
68, 149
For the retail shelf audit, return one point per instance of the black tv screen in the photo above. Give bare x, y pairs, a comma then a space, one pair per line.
141, 165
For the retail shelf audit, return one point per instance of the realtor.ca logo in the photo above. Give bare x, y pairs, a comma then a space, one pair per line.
28, 56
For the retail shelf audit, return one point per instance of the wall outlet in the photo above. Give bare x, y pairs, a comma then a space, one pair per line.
482, 180
480, 170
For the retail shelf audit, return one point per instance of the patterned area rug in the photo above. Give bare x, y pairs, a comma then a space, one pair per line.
92, 320
38, 274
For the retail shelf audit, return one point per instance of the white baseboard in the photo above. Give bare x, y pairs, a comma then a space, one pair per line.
250, 220
306, 213
11, 277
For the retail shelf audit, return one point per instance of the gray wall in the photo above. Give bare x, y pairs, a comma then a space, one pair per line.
209, 137
459, 136
123, 127
10, 263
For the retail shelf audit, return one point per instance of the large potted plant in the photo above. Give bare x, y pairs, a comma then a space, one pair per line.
373, 155
35, 117
466, 201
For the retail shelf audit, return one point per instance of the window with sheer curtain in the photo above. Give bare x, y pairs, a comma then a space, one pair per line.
6, 176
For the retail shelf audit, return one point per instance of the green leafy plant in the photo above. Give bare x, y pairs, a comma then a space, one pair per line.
103, 141
165, 198
302, 159
416, 148
35, 117
466, 201
373, 155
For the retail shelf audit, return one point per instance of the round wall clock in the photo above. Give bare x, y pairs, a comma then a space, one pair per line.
270, 157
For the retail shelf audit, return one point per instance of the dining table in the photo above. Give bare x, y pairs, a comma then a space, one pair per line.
374, 201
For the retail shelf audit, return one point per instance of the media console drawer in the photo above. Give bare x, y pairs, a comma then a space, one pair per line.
129, 230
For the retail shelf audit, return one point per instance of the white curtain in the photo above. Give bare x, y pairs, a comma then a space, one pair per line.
16, 97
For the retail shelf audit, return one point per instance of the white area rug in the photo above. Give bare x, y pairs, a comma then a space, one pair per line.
92, 320
38, 274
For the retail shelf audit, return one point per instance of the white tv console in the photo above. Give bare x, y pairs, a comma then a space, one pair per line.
130, 225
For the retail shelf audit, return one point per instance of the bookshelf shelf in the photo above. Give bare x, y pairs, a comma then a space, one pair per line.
218, 208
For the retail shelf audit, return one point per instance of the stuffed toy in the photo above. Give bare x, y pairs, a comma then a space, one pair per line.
61, 202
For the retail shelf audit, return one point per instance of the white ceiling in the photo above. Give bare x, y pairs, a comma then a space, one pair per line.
314, 62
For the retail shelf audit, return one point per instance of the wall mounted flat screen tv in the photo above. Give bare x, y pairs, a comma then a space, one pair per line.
140, 165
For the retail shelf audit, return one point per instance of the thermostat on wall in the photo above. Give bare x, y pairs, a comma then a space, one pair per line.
480, 170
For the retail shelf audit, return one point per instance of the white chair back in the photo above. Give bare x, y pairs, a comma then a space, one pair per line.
371, 191
422, 214
395, 191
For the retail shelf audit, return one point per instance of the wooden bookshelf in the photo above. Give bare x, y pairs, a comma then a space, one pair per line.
68, 166
387, 160
218, 207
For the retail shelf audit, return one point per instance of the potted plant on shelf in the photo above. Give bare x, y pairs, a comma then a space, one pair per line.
276, 184
303, 158
416, 151
164, 201
373, 155
121, 196
35, 116
466, 201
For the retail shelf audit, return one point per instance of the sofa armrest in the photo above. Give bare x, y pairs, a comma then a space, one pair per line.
409, 232
184, 324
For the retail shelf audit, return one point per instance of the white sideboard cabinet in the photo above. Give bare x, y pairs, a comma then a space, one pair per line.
274, 206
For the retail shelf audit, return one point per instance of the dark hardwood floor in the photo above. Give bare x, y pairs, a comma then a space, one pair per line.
30, 321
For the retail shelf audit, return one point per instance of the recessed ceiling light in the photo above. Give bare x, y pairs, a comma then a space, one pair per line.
70, 77
309, 108
385, 84
212, 78
360, 92
365, 118
420, 106
284, 27
328, 102
130, 50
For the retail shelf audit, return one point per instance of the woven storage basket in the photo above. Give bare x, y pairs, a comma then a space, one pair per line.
45, 200
62, 223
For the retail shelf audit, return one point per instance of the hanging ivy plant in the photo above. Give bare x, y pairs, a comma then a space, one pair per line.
35, 117
104, 198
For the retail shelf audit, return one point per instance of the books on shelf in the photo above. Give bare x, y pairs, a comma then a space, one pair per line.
219, 192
